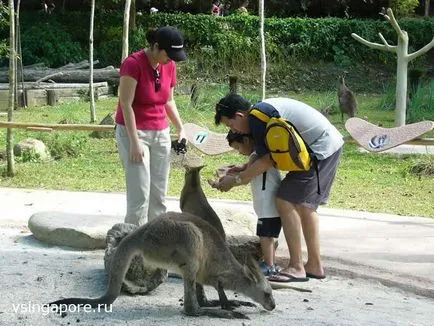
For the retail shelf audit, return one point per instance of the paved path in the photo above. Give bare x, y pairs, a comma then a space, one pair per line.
396, 250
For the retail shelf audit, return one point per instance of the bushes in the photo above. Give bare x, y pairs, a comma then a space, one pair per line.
225, 38
232, 38
421, 104
219, 45
403, 7
50, 43
65, 145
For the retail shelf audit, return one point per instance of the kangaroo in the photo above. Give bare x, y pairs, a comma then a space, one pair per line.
347, 99
192, 247
194, 201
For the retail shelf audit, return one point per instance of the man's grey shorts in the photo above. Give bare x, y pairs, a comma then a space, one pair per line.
301, 187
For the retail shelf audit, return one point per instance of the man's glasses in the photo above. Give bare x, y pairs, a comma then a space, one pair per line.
157, 80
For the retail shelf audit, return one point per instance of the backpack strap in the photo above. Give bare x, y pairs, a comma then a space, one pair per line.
264, 179
260, 115
315, 163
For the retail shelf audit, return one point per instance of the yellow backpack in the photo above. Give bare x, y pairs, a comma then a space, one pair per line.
288, 150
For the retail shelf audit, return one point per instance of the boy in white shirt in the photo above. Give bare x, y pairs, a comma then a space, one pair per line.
264, 188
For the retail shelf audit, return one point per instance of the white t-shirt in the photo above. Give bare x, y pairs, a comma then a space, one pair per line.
264, 201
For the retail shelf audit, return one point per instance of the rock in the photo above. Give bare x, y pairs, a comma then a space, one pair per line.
34, 148
107, 120
237, 222
139, 278
243, 246
73, 230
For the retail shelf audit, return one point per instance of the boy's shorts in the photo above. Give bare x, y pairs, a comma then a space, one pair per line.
268, 227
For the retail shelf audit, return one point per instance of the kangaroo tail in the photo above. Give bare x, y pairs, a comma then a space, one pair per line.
119, 265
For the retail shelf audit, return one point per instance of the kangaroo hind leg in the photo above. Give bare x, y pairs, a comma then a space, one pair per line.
192, 308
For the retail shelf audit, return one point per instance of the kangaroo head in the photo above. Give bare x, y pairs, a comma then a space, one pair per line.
192, 177
193, 169
257, 286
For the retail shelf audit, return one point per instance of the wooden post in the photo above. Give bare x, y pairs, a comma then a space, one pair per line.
233, 84
52, 97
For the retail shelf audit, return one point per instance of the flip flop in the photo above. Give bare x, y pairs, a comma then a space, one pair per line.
286, 278
317, 277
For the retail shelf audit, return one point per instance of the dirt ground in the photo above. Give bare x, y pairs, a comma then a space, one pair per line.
33, 273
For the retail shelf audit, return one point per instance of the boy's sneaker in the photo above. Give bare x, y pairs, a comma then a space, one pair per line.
266, 269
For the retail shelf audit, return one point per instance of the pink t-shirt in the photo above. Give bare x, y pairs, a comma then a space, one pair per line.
148, 105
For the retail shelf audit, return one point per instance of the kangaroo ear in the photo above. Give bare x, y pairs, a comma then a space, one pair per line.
252, 269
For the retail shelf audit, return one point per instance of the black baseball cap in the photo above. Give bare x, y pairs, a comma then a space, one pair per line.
171, 40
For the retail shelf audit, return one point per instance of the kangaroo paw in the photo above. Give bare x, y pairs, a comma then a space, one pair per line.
232, 304
227, 314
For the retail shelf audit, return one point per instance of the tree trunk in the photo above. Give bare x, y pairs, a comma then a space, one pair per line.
20, 55
12, 82
109, 74
401, 80
403, 58
125, 30
263, 55
132, 22
91, 89
427, 3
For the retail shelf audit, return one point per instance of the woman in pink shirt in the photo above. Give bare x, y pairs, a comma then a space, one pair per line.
147, 81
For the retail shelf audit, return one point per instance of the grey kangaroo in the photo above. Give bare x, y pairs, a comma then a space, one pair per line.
194, 201
190, 246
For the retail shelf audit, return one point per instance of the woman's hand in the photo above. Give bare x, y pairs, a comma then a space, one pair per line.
136, 152
180, 145
181, 134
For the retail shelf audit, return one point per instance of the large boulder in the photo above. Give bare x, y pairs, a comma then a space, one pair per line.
73, 230
33, 148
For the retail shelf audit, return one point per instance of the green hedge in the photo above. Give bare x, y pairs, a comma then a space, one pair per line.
225, 39
220, 44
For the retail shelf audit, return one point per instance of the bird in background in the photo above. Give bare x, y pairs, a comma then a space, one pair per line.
347, 99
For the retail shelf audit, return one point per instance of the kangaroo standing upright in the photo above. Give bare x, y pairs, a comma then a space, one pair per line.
186, 244
194, 201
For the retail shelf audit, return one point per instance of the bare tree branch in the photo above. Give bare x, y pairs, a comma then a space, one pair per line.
421, 51
391, 18
389, 48
383, 39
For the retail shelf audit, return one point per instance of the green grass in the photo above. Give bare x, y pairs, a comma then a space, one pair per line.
368, 182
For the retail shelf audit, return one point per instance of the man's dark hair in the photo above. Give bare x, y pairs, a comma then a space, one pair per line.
235, 137
229, 105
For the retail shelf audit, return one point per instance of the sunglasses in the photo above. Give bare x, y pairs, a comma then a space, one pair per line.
157, 80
